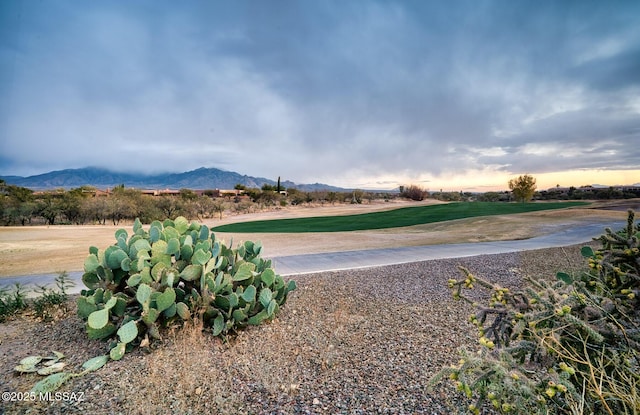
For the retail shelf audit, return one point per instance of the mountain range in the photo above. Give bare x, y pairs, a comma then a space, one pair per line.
202, 178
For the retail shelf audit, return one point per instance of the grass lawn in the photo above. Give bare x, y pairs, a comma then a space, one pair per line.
408, 216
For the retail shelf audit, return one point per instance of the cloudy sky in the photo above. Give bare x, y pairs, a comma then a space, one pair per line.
371, 94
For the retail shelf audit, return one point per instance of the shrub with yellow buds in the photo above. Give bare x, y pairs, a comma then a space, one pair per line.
486, 342
566, 368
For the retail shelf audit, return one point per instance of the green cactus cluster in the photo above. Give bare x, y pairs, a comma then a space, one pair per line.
171, 272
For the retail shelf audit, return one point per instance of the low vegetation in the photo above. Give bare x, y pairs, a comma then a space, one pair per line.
408, 216
172, 273
567, 347
169, 274
44, 302
12, 301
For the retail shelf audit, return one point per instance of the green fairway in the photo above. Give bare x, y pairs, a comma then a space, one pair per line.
408, 216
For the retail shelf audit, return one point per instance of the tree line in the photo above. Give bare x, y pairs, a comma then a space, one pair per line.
23, 206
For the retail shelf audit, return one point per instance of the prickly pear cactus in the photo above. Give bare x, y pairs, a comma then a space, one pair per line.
170, 272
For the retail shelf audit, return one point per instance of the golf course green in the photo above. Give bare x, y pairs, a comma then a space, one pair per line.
407, 216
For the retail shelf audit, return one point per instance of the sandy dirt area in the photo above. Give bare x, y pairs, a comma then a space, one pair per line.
50, 249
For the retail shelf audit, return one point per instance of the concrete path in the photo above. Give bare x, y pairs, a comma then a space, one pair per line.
335, 261
310, 263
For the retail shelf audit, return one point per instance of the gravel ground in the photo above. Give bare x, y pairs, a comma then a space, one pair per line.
350, 342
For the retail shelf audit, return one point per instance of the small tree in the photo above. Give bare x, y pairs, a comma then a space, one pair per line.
71, 205
188, 195
356, 196
49, 207
219, 207
523, 187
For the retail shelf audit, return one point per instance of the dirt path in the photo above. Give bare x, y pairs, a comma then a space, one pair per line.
50, 249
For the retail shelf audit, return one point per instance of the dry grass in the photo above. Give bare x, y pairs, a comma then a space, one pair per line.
177, 375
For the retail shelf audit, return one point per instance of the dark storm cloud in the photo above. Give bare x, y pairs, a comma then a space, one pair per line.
611, 73
320, 90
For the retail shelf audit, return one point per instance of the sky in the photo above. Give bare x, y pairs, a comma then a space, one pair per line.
452, 95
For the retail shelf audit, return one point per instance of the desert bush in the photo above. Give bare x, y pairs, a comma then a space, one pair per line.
170, 273
414, 192
570, 346
50, 299
12, 301
18, 301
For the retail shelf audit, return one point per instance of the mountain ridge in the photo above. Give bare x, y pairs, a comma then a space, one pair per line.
199, 179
